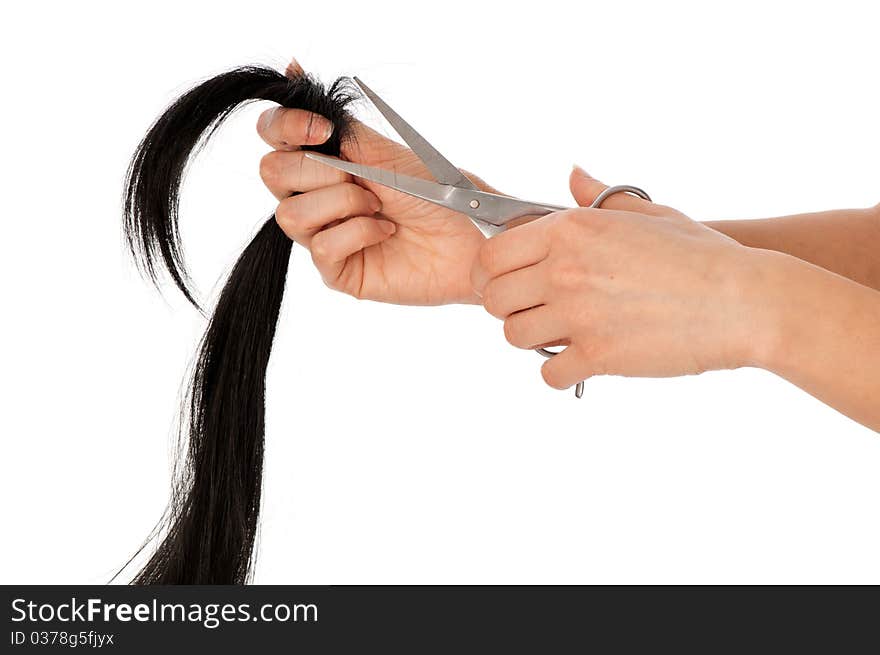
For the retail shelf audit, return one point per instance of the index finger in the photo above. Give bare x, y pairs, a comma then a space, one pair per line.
515, 248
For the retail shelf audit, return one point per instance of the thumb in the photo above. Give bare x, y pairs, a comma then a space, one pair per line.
585, 189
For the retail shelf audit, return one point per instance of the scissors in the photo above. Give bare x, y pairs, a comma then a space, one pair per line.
490, 212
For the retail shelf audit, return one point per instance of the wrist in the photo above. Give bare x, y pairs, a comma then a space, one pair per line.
754, 334
774, 285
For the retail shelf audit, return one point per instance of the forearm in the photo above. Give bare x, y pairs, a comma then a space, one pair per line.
820, 331
845, 241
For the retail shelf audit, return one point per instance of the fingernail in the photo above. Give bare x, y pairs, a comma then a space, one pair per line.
387, 227
328, 130
266, 119
375, 205
580, 171
294, 69
319, 128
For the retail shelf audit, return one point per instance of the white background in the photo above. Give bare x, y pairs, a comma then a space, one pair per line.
413, 445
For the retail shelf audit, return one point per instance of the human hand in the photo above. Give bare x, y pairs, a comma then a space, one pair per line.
633, 289
365, 239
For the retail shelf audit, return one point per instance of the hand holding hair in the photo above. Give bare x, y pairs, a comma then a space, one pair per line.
366, 240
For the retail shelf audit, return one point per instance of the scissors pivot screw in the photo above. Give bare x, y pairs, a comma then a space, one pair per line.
474, 203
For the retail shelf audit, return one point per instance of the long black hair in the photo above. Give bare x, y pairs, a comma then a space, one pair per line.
208, 531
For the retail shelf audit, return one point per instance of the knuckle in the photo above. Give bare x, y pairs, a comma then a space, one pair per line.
351, 195
269, 168
577, 224
567, 275
283, 213
290, 213
320, 251
566, 221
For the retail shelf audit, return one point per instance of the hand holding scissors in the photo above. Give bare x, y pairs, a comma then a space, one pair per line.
490, 212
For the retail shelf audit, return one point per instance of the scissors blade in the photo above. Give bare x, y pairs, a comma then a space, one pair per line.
441, 168
490, 212
440, 194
